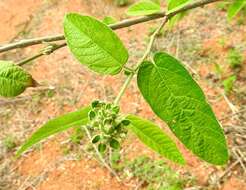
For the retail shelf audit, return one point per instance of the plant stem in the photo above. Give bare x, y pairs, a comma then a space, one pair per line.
124, 87
27, 60
143, 58
100, 156
45, 51
119, 25
30, 42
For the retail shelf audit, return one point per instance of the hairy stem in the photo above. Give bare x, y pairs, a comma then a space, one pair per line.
29, 59
119, 25
124, 87
100, 156
30, 42
143, 58
45, 51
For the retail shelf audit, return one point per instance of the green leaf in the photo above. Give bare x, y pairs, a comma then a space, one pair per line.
94, 44
229, 83
143, 7
155, 138
96, 139
235, 7
174, 5
158, 2
101, 147
125, 122
56, 125
109, 20
114, 144
13, 79
179, 101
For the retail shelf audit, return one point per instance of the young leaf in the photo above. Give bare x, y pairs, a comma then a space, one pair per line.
229, 83
96, 139
56, 125
13, 79
109, 20
101, 147
235, 7
155, 138
174, 5
143, 7
179, 101
94, 44
114, 144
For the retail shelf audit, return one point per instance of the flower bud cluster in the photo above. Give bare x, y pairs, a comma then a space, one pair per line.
107, 124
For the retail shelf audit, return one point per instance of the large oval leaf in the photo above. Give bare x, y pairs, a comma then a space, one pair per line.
143, 7
56, 125
155, 138
94, 44
178, 100
13, 79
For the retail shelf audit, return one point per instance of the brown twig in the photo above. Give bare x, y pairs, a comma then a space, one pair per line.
239, 157
122, 24
46, 51
228, 170
232, 114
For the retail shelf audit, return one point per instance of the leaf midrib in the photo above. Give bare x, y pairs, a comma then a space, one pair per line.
163, 80
52, 132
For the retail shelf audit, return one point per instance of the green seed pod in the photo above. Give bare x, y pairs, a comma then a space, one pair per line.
111, 130
114, 144
102, 147
103, 104
95, 104
113, 116
125, 122
118, 127
106, 128
92, 115
95, 124
96, 139
127, 73
102, 113
107, 121
116, 109
108, 106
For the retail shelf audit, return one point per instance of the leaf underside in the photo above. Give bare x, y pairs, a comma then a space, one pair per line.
55, 126
13, 79
179, 101
155, 138
94, 44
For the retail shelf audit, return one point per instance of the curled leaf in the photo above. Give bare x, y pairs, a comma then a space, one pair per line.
14, 79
